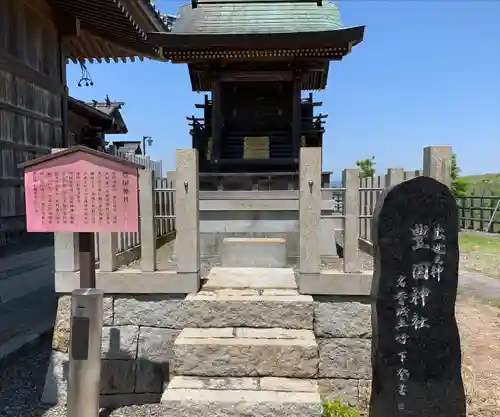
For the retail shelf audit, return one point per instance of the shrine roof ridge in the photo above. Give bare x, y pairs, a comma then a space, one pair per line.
252, 18
76, 149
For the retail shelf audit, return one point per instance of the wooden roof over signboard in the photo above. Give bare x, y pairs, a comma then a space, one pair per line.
76, 149
109, 29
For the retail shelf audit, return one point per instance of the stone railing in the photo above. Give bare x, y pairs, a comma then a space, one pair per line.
168, 208
352, 223
316, 218
113, 250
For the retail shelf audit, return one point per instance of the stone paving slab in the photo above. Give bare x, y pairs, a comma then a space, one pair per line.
237, 403
231, 397
250, 352
252, 384
193, 382
253, 278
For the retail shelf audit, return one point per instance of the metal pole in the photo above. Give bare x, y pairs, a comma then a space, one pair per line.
85, 352
493, 216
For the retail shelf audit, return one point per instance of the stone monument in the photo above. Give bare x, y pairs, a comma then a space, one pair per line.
416, 358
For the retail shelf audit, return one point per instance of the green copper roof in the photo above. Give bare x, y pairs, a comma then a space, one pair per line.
254, 18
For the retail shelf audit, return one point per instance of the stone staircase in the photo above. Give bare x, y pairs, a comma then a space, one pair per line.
257, 357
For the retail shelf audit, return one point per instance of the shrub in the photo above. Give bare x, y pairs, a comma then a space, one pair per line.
338, 408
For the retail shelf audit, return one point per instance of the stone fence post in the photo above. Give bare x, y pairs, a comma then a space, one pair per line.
394, 176
108, 248
170, 200
66, 247
437, 163
66, 252
350, 180
310, 211
187, 221
147, 224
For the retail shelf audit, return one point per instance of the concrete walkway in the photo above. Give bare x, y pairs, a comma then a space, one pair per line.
479, 285
25, 319
28, 302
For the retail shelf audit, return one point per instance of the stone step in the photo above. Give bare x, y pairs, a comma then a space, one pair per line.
251, 278
266, 308
243, 352
241, 397
254, 252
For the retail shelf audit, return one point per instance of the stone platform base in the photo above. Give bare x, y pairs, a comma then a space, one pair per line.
251, 278
324, 339
254, 252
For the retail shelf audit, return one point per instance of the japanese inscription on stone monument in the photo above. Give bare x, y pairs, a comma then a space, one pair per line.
416, 347
412, 295
81, 192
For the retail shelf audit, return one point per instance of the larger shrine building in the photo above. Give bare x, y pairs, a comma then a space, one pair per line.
256, 59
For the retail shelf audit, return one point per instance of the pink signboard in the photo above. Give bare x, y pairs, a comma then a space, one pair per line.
81, 193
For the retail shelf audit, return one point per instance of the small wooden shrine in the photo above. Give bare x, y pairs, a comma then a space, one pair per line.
89, 123
256, 59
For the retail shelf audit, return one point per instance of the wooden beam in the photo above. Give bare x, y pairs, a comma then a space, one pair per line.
11, 181
251, 76
26, 112
106, 50
67, 24
91, 45
7, 144
64, 95
216, 119
11, 64
296, 114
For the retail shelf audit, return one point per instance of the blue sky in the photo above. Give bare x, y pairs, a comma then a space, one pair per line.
427, 73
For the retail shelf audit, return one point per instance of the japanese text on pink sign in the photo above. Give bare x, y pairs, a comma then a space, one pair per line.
87, 198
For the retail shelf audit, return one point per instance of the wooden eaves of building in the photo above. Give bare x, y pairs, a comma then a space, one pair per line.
256, 59
37, 38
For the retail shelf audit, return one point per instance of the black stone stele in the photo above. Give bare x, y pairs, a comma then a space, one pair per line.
416, 356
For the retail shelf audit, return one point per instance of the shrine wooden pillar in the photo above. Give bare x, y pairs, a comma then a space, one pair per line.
216, 119
296, 114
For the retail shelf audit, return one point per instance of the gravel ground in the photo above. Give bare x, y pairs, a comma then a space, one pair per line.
22, 378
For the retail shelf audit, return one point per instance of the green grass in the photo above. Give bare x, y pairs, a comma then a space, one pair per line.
480, 253
476, 242
476, 183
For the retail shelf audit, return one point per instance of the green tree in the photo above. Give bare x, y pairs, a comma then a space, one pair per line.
458, 185
367, 167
